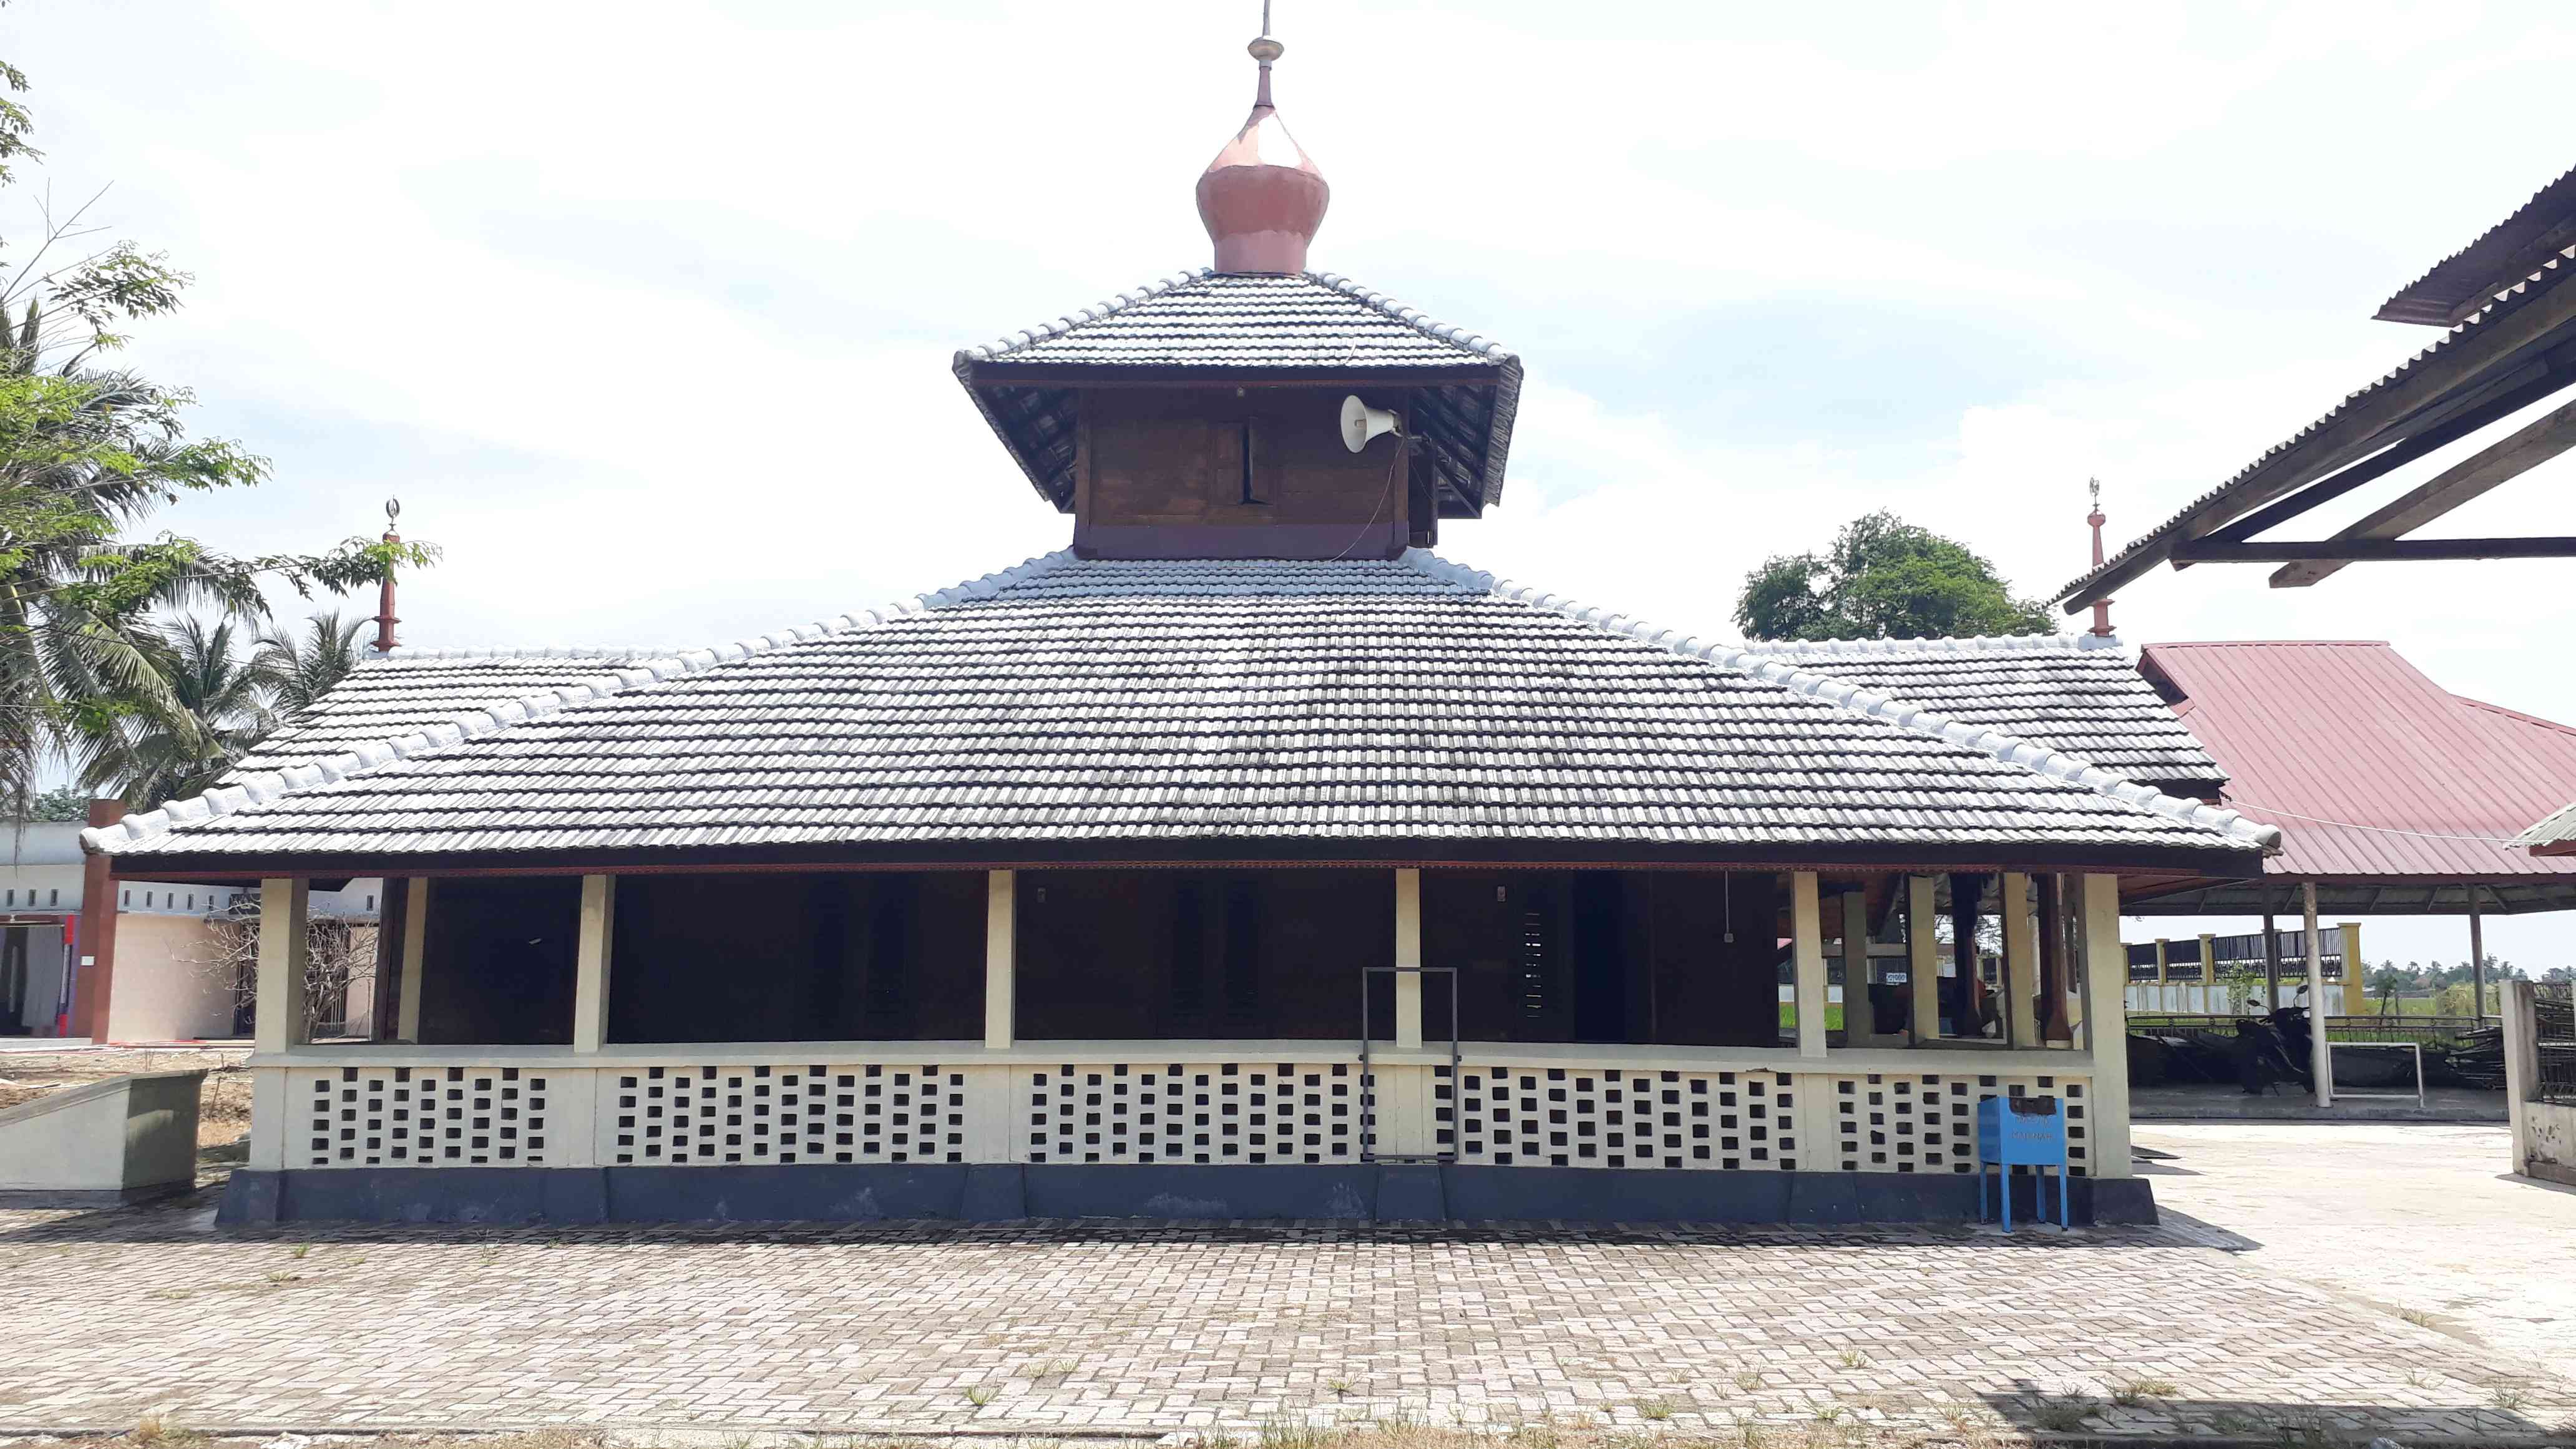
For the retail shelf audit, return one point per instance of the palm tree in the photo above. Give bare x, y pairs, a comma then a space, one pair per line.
81, 458
151, 748
296, 673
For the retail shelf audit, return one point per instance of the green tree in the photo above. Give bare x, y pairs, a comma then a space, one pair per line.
86, 453
215, 713
296, 672
1883, 579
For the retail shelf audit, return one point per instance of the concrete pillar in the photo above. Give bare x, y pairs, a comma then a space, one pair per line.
1408, 958
1922, 958
2356, 972
1001, 957
2521, 1065
277, 1022
1807, 958
2106, 1031
2021, 961
2320, 1057
595, 942
415, 956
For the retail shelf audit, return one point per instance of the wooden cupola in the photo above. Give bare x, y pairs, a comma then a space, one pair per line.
1199, 417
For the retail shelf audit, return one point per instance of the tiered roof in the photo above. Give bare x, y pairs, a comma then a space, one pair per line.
1201, 325
1068, 709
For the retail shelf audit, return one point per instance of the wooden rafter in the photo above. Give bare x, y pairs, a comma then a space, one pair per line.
2533, 444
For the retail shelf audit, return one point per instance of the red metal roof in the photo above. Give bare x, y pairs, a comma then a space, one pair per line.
2370, 769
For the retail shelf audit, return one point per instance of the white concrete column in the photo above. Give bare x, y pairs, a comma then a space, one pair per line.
1922, 958
1001, 957
415, 956
2320, 1057
595, 943
2106, 1028
268, 1094
2521, 1066
2021, 960
1408, 958
1807, 957
284, 944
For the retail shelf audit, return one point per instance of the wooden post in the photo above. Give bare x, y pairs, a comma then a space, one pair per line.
2271, 966
2106, 1031
2164, 977
277, 1021
1860, 1023
2477, 961
1001, 958
2053, 984
1408, 958
2320, 1056
1807, 957
1922, 959
415, 955
2021, 948
384, 1017
94, 967
2521, 1065
594, 943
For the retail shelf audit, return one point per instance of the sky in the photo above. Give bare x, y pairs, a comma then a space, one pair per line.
645, 310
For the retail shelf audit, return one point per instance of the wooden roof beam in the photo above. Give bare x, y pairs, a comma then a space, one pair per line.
2333, 553
2390, 459
2533, 444
2475, 356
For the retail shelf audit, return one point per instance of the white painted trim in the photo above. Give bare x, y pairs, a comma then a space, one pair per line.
966, 1054
1923, 957
1807, 958
2106, 1028
594, 945
1408, 959
277, 1023
1001, 958
415, 956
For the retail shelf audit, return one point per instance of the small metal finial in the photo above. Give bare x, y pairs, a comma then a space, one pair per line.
1265, 17
393, 512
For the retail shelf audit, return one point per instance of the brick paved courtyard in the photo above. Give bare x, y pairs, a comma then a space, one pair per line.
1152, 1329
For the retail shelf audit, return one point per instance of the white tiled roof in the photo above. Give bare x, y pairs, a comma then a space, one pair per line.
1134, 702
2070, 692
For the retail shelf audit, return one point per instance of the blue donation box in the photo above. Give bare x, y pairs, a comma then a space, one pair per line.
2021, 1132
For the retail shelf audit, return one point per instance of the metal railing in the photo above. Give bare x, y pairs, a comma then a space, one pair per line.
2554, 1023
2392, 1029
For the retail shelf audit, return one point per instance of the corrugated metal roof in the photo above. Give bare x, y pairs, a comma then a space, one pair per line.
2369, 767
2459, 277
2555, 835
1130, 702
2239, 496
